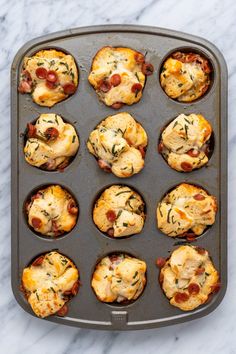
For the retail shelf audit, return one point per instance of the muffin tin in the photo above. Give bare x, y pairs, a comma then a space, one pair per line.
85, 244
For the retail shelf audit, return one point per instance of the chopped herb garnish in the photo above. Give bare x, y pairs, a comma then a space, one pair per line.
73, 139
122, 193
134, 282
135, 275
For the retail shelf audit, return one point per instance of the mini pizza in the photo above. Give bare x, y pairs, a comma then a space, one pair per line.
186, 142
185, 76
118, 75
49, 76
186, 211
49, 283
119, 145
52, 211
51, 143
188, 277
119, 212
119, 278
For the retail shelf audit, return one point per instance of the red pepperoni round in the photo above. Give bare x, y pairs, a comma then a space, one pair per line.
193, 289
160, 262
115, 80
41, 73
117, 105
26, 76
193, 153
110, 232
51, 76
186, 166
136, 88
142, 150
147, 69
72, 208
200, 271
111, 215
160, 147
36, 222
69, 88
200, 250
63, 311
199, 197
181, 297
216, 287
38, 261
51, 133
139, 58
31, 130
24, 87
75, 288
104, 165
113, 258
104, 86
50, 85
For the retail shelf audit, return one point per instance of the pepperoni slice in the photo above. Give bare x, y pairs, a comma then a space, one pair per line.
181, 297
193, 153
191, 237
41, 73
186, 166
51, 85
147, 69
110, 232
114, 258
51, 76
160, 262
117, 105
193, 289
216, 287
200, 250
111, 215
31, 130
200, 271
75, 288
72, 208
36, 222
38, 261
63, 311
139, 58
115, 80
136, 88
24, 87
69, 88
51, 133
199, 197
142, 150
104, 86
26, 76
36, 196
160, 147
104, 165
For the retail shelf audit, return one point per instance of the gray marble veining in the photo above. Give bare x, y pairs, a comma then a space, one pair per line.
23, 20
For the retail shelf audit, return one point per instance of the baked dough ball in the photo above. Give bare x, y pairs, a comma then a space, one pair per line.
118, 75
188, 277
119, 211
185, 76
51, 143
52, 211
185, 143
119, 143
49, 282
186, 211
50, 76
119, 278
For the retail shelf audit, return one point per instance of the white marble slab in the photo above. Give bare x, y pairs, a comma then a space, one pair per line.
21, 21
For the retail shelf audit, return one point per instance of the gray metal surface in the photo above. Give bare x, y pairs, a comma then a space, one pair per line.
85, 244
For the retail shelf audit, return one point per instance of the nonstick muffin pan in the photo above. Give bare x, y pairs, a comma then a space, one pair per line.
85, 244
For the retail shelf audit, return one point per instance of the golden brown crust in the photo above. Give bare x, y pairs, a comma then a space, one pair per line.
119, 278
185, 76
186, 208
186, 142
188, 277
49, 282
119, 143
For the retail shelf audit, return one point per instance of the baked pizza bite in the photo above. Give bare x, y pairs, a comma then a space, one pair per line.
188, 277
118, 75
52, 211
119, 278
185, 76
49, 76
49, 282
119, 145
186, 142
186, 211
51, 143
119, 211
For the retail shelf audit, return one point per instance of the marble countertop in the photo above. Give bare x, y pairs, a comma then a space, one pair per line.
21, 21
